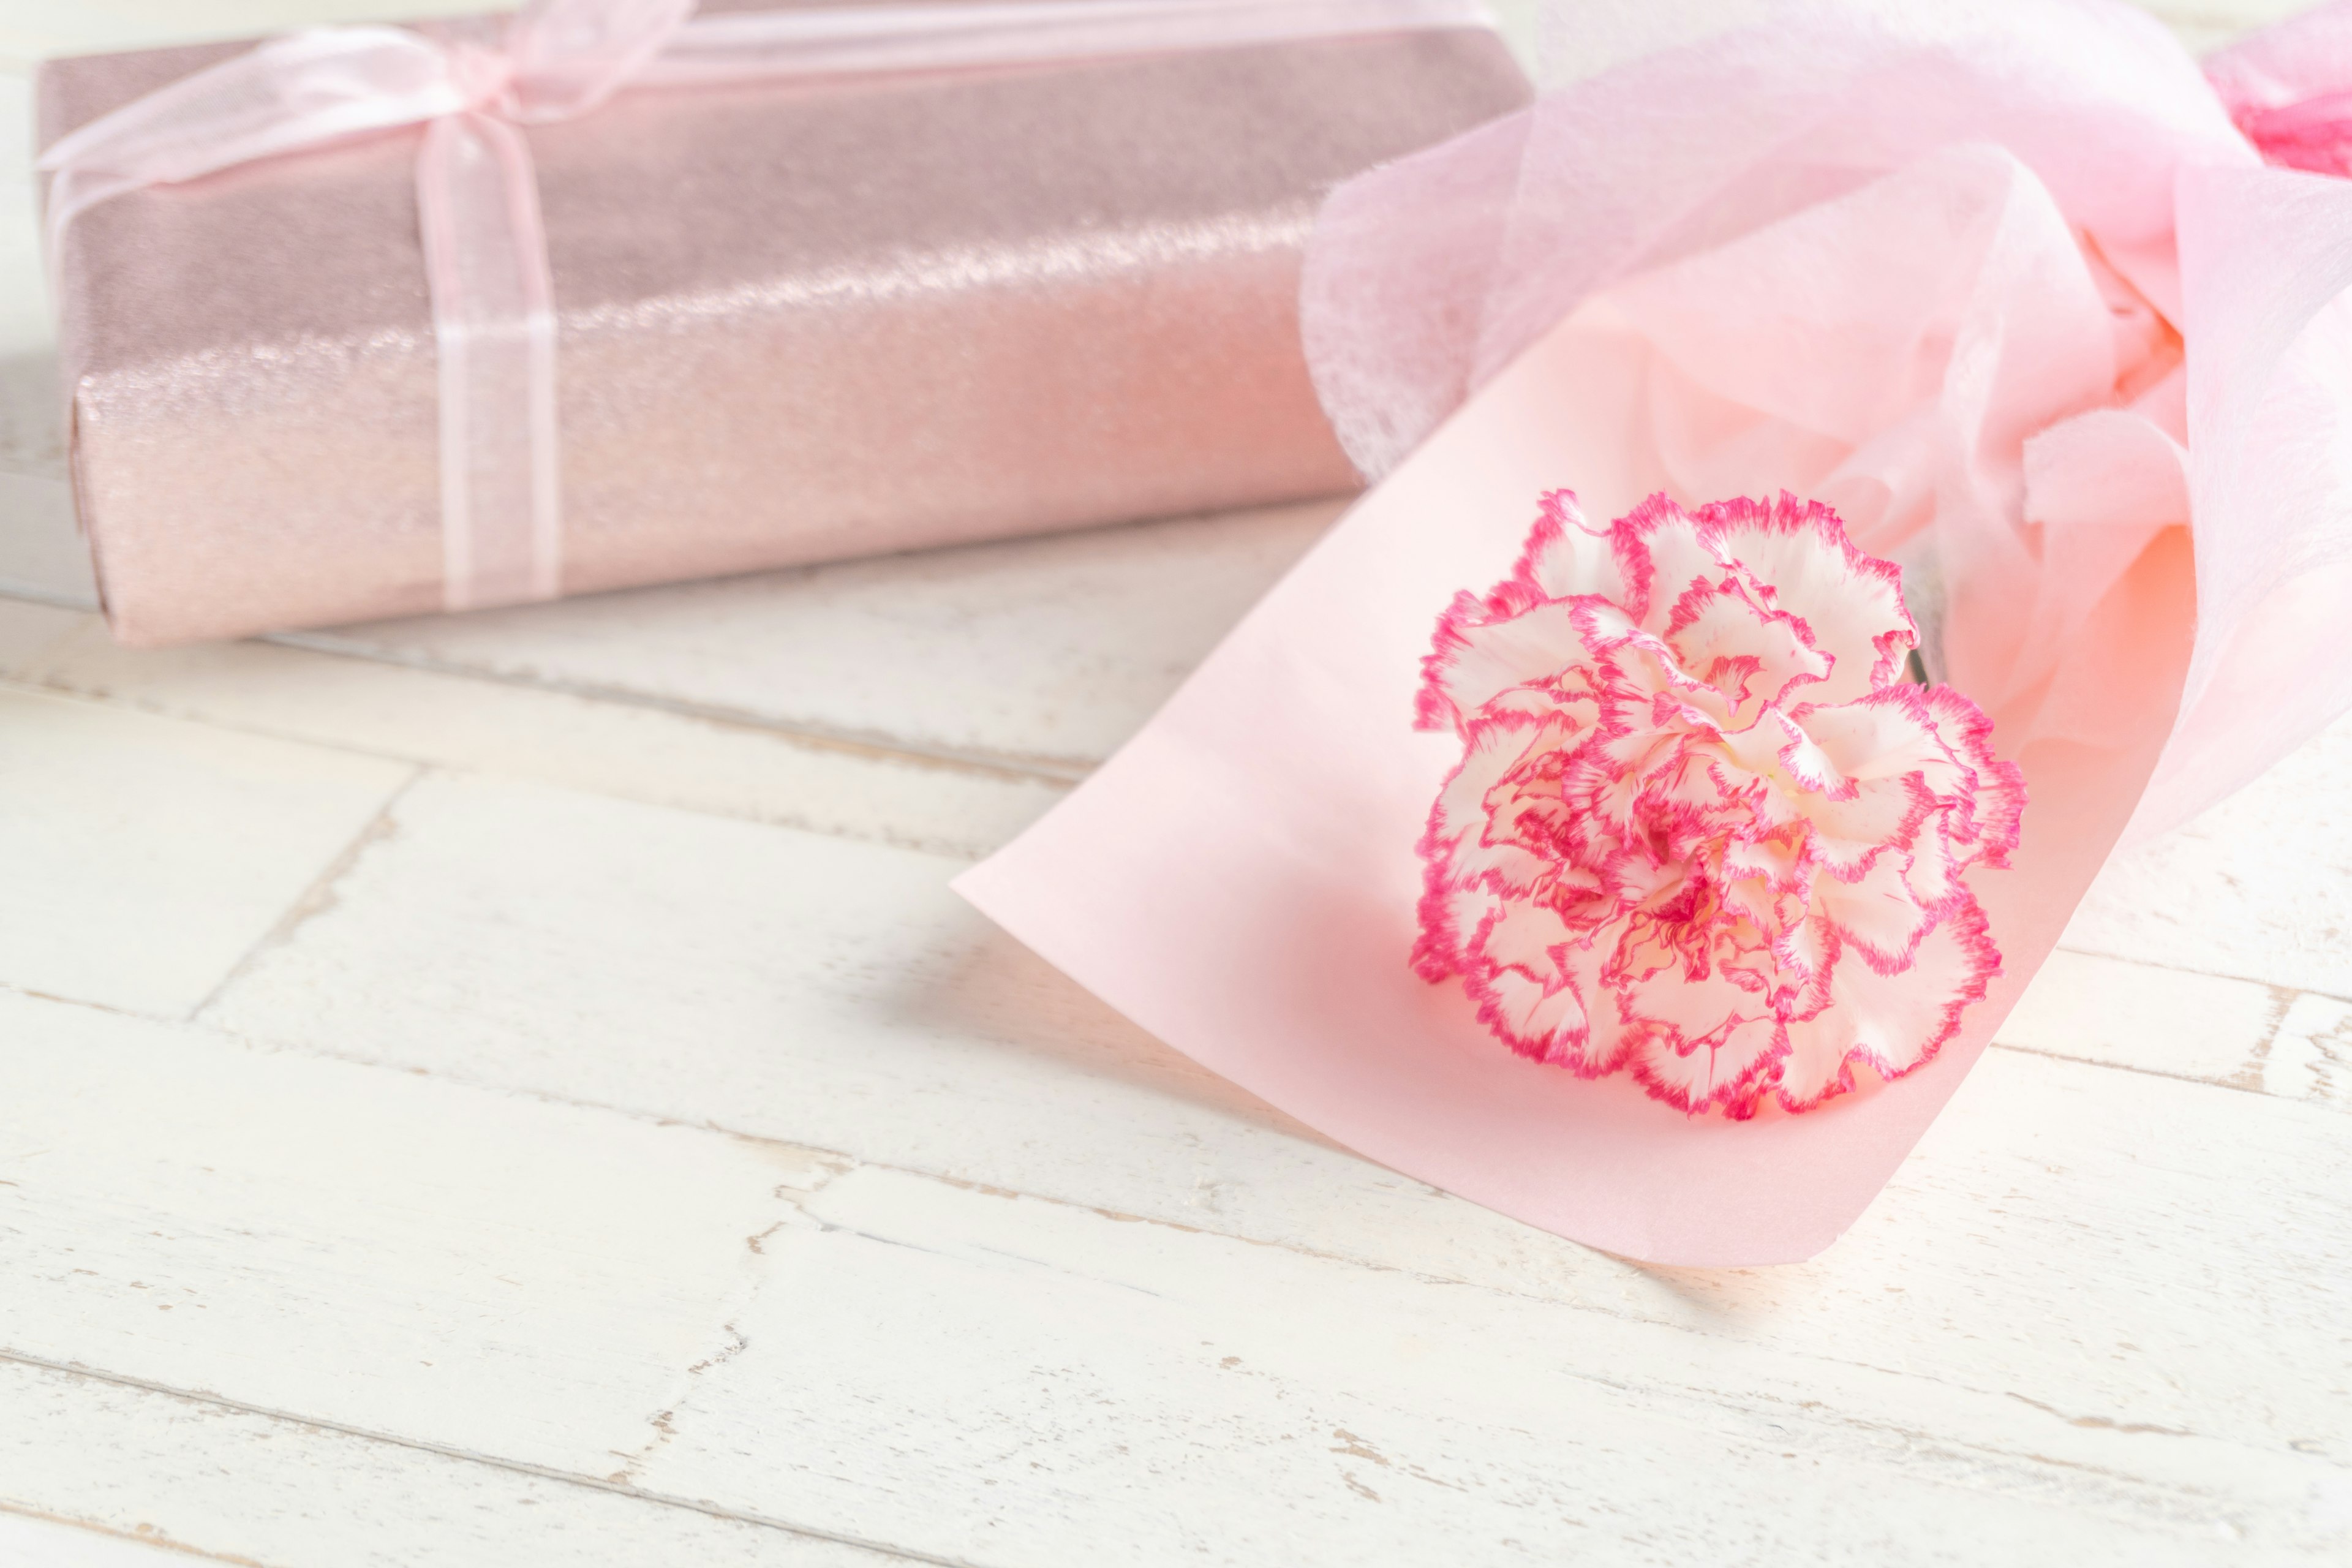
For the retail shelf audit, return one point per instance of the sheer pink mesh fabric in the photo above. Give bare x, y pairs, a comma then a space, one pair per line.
2003, 283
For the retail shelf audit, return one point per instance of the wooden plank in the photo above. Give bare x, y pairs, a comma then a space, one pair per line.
1062, 1385
408, 1255
2239, 1033
2150, 1019
2015, 1358
27, 631
146, 856
832, 995
619, 748
49, 1543
2259, 886
2093, 1320
2311, 1058
244, 1485
1043, 653
815, 990
958, 654
2084, 1006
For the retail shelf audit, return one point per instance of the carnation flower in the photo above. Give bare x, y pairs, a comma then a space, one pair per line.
1703, 830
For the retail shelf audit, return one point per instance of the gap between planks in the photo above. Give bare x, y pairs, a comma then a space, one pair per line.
103, 1539
320, 896
34, 670
873, 745
416, 1445
617, 748
837, 1162
37, 667
865, 743
1845, 1405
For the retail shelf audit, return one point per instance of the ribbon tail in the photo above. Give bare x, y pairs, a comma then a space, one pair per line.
494, 330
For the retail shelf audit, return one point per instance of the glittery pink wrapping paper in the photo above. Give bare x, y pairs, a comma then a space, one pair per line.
798, 321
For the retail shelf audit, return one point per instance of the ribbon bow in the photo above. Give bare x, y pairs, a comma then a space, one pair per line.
478, 194
478, 210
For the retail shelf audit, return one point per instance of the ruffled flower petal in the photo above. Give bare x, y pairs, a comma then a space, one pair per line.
1568, 559
1890, 1023
1850, 604
1730, 1070
1754, 655
1701, 832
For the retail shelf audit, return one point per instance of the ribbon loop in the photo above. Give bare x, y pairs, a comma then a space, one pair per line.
291, 94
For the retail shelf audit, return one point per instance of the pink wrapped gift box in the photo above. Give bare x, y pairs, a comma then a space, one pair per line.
796, 320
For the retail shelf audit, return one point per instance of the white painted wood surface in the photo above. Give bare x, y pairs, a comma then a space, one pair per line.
516, 1090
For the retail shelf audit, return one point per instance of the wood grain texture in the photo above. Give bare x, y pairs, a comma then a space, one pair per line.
1391, 1423
635, 750
145, 857
53, 1543
533, 1277
795, 1335
835, 996
1038, 653
204, 1476
2273, 870
600, 1138
2311, 1056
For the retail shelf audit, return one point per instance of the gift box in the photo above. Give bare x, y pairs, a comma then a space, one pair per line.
806, 316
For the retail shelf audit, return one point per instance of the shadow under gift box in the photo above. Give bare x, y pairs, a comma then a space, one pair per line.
796, 320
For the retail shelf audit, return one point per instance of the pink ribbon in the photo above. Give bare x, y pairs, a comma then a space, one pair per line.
478, 210
494, 319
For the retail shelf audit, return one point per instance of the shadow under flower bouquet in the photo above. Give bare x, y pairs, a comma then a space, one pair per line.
1972, 391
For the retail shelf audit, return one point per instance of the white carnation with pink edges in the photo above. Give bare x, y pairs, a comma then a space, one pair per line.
1704, 831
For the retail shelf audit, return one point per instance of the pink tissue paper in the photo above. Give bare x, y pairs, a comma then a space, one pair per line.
2052, 319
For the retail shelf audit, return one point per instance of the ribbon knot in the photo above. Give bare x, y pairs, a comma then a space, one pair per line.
484, 79
485, 247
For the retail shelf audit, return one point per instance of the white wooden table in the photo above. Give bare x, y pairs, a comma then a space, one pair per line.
516, 1090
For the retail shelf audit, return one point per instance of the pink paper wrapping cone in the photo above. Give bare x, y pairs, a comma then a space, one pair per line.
2005, 286
797, 320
